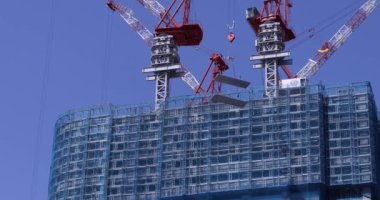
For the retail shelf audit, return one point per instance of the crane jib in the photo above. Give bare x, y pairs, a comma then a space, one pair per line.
314, 64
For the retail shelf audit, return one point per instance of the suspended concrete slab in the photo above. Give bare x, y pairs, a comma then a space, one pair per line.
232, 81
228, 100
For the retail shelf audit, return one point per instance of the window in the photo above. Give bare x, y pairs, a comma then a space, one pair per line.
364, 150
343, 108
223, 177
333, 143
293, 108
363, 142
360, 98
346, 170
361, 107
223, 159
314, 151
235, 176
332, 109
346, 152
363, 124
256, 174
365, 169
335, 153
314, 123
315, 168
362, 115
364, 159
336, 171
345, 125
332, 126
363, 132
346, 143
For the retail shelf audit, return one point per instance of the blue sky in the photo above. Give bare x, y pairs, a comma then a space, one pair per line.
82, 61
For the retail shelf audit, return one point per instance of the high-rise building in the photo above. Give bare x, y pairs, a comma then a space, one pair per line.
310, 142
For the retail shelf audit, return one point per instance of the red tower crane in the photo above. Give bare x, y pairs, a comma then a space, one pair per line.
276, 11
185, 34
178, 70
272, 29
218, 65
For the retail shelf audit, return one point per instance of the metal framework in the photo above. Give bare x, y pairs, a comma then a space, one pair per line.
159, 11
270, 47
165, 64
185, 34
169, 20
158, 50
330, 47
271, 26
162, 88
128, 16
308, 135
274, 11
218, 67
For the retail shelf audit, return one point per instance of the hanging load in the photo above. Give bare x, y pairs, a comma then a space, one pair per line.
231, 37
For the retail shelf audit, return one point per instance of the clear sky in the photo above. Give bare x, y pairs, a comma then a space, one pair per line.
81, 60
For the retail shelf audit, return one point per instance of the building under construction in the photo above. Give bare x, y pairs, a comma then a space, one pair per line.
308, 143
290, 140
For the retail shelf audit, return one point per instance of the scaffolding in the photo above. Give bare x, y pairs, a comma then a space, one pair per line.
189, 148
352, 119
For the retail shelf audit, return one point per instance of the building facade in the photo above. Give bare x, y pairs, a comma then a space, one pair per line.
308, 143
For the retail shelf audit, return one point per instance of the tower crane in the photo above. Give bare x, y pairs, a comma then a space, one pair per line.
162, 81
217, 63
168, 36
193, 35
330, 47
272, 29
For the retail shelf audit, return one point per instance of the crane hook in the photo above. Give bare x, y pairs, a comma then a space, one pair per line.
231, 35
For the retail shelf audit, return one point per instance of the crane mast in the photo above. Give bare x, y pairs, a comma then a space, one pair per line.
272, 31
168, 36
165, 59
217, 63
331, 46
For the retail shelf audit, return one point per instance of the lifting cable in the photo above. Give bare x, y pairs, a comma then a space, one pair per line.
231, 36
107, 59
324, 24
43, 100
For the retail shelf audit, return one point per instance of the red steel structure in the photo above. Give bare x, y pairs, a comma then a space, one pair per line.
218, 66
271, 25
277, 11
184, 34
